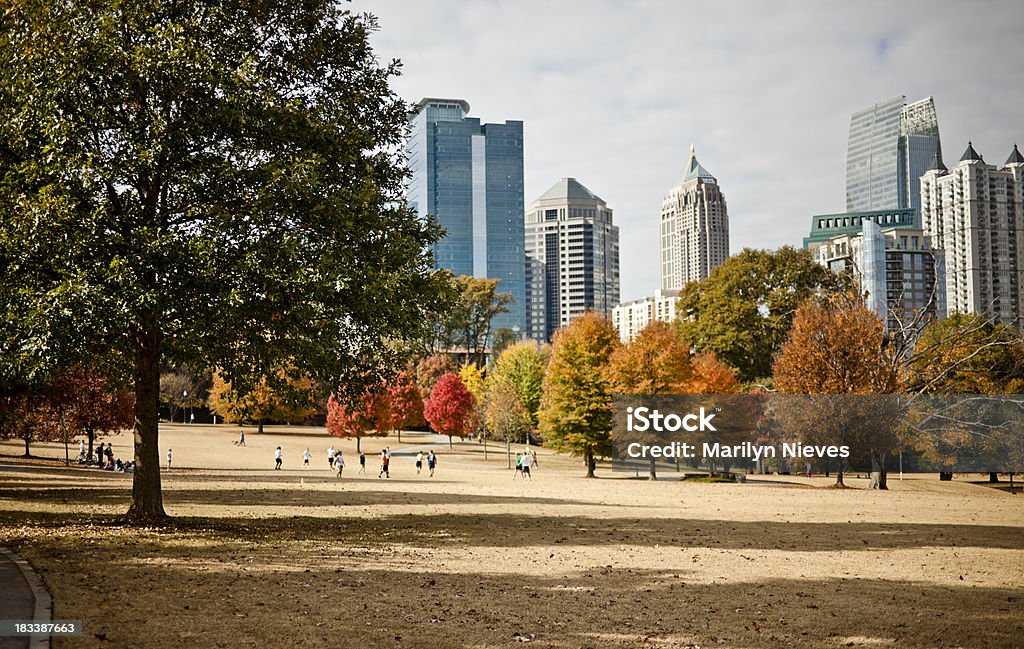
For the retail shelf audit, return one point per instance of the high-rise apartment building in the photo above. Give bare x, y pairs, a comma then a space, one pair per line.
896, 268
469, 177
694, 227
572, 258
630, 318
891, 145
975, 211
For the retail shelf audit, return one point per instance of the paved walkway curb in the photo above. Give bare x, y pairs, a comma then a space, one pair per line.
43, 602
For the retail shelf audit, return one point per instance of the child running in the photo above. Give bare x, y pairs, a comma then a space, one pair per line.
277, 459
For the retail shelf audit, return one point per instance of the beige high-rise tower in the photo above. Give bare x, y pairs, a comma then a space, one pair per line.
694, 227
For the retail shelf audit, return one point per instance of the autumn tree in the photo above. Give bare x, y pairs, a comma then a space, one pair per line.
837, 347
469, 322
405, 403
365, 415
450, 408
87, 403
473, 378
288, 403
218, 183
657, 361
743, 310
505, 413
27, 415
432, 368
523, 365
180, 389
503, 339
575, 412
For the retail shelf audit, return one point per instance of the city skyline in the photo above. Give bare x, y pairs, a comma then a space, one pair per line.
612, 93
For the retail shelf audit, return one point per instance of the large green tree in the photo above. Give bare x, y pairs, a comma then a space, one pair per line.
576, 409
523, 366
743, 310
219, 184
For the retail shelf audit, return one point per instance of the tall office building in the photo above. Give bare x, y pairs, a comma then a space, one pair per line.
891, 145
896, 268
572, 258
976, 212
469, 177
694, 227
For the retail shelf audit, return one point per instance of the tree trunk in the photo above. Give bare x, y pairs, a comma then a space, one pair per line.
993, 477
27, 450
588, 457
147, 498
508, 451
945, 476
399, 431
358, 439
450, 442
484, 438
259, 430
64, 427
654, 472
91, 434
878, 473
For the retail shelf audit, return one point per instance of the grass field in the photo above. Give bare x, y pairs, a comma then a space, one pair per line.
471, 558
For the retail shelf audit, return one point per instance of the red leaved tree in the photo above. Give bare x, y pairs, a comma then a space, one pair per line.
88, 403
450, 407
369, 415
406, 403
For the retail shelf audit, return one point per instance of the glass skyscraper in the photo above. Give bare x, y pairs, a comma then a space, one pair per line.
891, 145
469, 177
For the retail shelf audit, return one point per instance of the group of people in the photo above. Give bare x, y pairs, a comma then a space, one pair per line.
336, 461
103, 459
524, 461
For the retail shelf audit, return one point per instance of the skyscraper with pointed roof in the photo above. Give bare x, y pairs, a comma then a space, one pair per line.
572, 258
694, 227
975, 211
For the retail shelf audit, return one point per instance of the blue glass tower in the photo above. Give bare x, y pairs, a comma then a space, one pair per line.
469, 177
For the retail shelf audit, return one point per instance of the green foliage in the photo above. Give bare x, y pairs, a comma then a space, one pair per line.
575, 413
218, 184
523, 366
743, 310
503, 339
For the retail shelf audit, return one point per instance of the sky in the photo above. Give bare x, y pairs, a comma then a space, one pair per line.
614, 93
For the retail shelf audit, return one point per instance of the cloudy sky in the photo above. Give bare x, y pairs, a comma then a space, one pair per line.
614, 92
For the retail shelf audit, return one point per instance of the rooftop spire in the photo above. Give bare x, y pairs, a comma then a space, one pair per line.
693, 152
970, 155
937, 164
1015, 158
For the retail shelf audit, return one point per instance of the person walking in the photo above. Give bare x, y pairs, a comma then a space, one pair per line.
99, 454
305, 458
431, 462
241, 438
419, 462
362, 462
339, 463
519, 465
277, 459
330, 456
168, 459
525, 466
385, 460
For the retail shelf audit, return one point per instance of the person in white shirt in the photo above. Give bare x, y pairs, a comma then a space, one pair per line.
330, 456
305, 459
277, 459
527, 461
419, 462
339, 463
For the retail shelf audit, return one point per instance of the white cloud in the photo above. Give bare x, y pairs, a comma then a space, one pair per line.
613, 93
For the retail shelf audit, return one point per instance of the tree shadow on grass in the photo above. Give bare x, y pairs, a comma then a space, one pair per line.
514, 530
236, 596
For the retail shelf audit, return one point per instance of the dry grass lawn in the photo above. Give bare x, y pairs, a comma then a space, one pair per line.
471, 558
